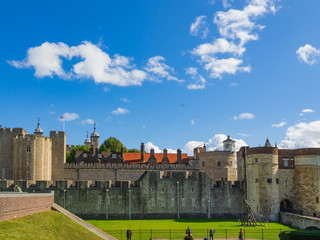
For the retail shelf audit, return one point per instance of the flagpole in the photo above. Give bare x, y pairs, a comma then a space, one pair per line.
63, 124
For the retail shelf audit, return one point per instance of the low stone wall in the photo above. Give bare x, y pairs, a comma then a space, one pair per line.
300, 221
14, 205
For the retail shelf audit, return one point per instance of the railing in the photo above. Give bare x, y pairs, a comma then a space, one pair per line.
175, 234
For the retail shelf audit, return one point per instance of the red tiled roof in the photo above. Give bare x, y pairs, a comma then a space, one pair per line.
136, 157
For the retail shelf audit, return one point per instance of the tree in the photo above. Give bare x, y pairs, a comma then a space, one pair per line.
70, 155
134, 150
113, 144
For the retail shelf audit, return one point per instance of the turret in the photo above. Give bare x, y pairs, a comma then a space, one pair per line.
229, 145
87, 141
38, 130
95, 138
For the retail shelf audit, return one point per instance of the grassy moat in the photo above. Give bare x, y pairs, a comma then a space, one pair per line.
175, 228
47, 225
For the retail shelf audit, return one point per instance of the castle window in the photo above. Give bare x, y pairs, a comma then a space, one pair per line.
203, 164
193, 202
292, 162
269, 180
256, 160
114, 155
120, 200
153, 202
317, 200
163, 202
277, 180
85, 155
285, 162
218, 164
172, 202
183, 202
28, 148
99, 199
172, 189
257, 180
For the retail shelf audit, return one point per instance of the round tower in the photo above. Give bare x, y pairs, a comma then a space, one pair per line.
307, 181
262, 181
95, 138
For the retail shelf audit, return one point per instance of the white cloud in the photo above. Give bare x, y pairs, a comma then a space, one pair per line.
307, 110
308, 54
87, 121
150, 145
94, 64
125, 100
236, 28
226, 3
159, 69
243, 134
69, 116
200, 84
217, 67
278, 125
120, 111
214, 143
192, 122
199, 27
192, 71
304, 134
244, 116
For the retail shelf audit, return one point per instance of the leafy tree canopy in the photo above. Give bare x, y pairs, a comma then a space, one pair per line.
113, 144
70, 155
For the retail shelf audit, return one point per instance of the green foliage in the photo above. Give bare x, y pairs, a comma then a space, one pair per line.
134, 150
70, 155
113, 144
300, 235
47, 225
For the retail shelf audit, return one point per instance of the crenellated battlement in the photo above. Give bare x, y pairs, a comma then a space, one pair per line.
126, 166
32, 136
57, 134
40, 186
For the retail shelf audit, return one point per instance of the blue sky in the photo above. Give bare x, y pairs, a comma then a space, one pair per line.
166, 73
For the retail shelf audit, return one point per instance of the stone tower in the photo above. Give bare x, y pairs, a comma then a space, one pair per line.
263, 181
6, 150
32, 156
58, 154
306, 181
229, 145
95, 138
87, 142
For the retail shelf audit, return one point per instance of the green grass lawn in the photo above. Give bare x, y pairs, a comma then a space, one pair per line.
175, 228
46, 225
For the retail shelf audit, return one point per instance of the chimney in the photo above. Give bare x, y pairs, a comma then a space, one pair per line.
179, 155
165, 153
152, 152
142, 152
121, 151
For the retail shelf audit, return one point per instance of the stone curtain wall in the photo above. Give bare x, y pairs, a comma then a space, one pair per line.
299, 221
156, 195
14, 205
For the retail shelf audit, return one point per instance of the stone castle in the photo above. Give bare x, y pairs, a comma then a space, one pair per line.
148, 185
